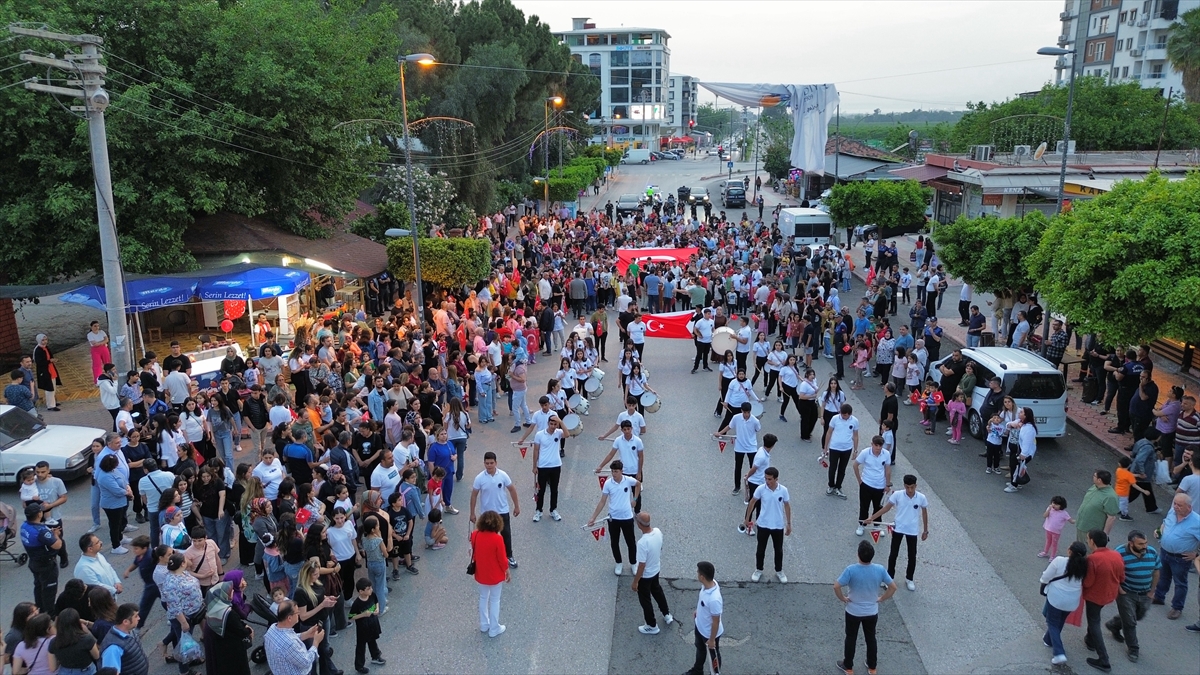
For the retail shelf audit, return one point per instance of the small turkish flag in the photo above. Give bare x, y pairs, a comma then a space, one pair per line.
670, 325
875, 535
523, 448
891, 528
602, 478
721, 445
597, 533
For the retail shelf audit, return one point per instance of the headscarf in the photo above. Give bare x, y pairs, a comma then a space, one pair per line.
258, 507
236, 597
217, 605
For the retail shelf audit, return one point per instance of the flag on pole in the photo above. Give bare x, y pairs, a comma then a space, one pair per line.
875, 535
669, 325
597, 529
602, 478
721, 445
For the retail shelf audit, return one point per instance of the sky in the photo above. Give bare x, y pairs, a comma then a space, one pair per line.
879, 53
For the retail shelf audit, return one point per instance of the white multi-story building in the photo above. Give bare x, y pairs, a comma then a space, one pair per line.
1122, 40
633, 65
681, 104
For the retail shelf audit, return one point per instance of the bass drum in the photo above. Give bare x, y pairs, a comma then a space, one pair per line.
573, 424
593, 387
651, 402
579, 404
724, 339
756, 408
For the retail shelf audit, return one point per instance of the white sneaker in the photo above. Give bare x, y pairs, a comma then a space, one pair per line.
1010, 488
131, 528
618, 569
648, 630
668, 619
554, 516
120, 550
949, 431
537, 516
756, 576
126, 540
988, 470
498, 632
93, 529
781, 577
1061, 658
859, 530
910, 585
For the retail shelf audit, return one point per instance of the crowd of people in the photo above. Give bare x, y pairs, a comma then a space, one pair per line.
359, 434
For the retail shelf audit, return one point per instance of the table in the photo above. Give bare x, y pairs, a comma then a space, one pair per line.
1069, 360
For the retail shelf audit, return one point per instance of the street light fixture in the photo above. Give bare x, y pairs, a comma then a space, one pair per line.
554, 101
418, 296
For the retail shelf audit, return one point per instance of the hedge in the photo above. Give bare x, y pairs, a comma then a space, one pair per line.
449, 262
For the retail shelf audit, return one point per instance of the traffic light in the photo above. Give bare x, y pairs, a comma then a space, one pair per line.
691, 124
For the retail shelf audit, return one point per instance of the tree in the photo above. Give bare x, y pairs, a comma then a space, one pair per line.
1125, 265
886, 203
778, 161
1183, 50
987, 253
388, 215
450, 262
1106, 117
433, 195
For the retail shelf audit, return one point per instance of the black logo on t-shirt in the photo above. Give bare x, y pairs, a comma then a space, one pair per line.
780, 497
499, 486
916, 506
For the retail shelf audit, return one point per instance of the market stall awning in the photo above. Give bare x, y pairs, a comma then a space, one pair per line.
140, 295
252, 284
922, 174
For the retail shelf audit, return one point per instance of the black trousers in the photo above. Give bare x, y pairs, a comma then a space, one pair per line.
838, 460
808, 417
1151, 502
931, 302
1124, 419
1095, 630
45, 582
738, 458
548, 478
721, 402
776, 537
911, 540
649, 587
506, 534
360, 651
994, 453
116, 525
750, 490
870, 500
868, 629
760, 364
740, 358
602, 345
702, 349
702, 651
790, 395
730, 413
964, 310
617, 528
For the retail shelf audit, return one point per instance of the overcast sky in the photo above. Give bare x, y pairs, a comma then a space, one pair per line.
878, 53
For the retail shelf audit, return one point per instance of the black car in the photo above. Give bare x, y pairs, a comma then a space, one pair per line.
698, 196
629, 203
735, 197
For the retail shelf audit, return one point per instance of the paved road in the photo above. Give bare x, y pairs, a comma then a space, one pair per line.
976, 608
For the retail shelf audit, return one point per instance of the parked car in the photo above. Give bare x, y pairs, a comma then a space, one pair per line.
25, 440
672, 155
734, 196
629, 203
1029, 379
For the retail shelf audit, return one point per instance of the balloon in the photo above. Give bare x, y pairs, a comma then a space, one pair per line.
227, 326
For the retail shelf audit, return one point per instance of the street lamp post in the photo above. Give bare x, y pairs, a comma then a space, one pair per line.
1062, 169
418, 295
556, 101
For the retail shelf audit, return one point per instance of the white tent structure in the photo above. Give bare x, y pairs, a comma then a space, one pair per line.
812, 106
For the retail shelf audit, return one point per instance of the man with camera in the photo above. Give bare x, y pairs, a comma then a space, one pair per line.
286, 650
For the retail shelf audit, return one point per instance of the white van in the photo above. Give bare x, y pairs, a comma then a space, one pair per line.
636, 156
1032, 382
810, 227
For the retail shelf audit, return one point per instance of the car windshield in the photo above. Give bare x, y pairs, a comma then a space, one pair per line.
17, 425
1039, 386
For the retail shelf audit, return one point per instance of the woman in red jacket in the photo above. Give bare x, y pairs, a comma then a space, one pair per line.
491, 570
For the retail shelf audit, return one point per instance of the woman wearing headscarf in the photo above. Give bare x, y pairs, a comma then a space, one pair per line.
226, 634
263, 523
46, 370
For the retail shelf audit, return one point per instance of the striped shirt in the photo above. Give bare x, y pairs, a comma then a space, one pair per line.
1139, 571
1187, 430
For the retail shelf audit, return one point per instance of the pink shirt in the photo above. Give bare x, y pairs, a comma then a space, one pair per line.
1056, 520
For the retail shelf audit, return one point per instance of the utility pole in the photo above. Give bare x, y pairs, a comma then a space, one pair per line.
89, 87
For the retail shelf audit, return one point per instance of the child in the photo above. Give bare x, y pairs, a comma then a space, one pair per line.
344, 502
433, 496
913, 372
253, 375
1126, 481
435, 532
905, 283
956, 411
277, 576
29, 490
1055, 518
889, 438
364, 612
277, 596
929, 407
994, 443
376, 554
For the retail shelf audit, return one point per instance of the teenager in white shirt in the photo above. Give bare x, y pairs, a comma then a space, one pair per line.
873, 469
774, 521
911, 520
547, 466
756, 476
745, 428
618, 494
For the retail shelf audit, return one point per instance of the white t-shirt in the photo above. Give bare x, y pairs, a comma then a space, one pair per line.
270, 475
454, 433
386, 479
841, 432
649, 551
771, 515
908, 511
637, 332
744, 333
704, 328
279, 414
623, 301
873, 467
620, 497
760, 463
630, 451
710, 604
636, 419
341, 540
746, 428
788, 376
493, 491
548, 449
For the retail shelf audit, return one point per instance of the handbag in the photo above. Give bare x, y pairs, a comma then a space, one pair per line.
1162, 474
1042, 590
1021, 475
471, 565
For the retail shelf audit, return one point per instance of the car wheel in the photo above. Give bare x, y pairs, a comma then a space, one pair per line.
645, 161
975, 424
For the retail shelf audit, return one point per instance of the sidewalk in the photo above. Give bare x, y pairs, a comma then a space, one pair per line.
1086, 418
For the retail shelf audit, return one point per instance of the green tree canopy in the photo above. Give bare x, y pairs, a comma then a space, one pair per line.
1106, 117
1183, 49
1125, 264
886, 203
988, 253
449, 262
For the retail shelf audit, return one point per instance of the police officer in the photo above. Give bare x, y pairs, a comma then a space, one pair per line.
42, 545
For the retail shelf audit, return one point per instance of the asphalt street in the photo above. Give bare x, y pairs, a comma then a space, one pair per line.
976, 608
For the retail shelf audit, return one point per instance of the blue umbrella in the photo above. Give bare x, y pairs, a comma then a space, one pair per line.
252, 284
140, 295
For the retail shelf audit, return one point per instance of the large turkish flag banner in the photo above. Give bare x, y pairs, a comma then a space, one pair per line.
673, 325
625, 256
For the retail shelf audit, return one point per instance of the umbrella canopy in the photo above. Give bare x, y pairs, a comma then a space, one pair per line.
140, 295
252, 284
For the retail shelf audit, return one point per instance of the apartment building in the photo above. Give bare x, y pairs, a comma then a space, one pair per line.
681, 104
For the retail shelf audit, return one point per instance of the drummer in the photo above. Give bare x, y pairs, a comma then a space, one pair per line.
740, 391
582, 365
625, 364
637, 386
561, 404
630, 413
728, 369
566, 376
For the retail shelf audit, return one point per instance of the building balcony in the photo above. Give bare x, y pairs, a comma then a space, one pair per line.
1153, 76
1156, 53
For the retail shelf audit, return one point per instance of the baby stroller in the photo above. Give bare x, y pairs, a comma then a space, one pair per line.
261, 605
8, 534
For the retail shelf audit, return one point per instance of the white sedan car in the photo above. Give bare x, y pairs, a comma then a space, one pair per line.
25, 440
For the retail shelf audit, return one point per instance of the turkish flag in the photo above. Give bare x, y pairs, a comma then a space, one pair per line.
671, 325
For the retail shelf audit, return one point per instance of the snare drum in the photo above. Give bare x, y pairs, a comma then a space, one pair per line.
593, 387
579, 404
573, 424
597, 373
651, 402
756, 408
